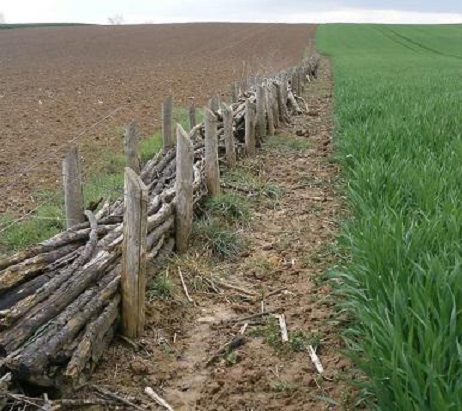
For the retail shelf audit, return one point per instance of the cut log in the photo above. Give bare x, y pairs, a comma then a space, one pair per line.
93, 338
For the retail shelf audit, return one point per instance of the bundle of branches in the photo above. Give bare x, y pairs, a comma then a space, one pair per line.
59, 300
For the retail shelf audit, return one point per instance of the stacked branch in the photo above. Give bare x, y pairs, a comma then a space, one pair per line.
60, 299
65, 312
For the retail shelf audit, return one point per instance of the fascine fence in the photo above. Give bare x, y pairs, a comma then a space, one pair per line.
62, 300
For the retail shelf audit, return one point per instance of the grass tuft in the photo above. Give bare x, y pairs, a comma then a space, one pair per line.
217, 237
248, 179
229, 206
285, 387
287, 144
160, 286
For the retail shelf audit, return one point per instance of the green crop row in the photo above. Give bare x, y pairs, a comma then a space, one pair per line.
398, 119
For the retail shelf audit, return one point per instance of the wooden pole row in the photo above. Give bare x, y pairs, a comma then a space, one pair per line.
66, 291
263, 116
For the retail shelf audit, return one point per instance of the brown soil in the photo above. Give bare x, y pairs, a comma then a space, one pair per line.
56, 83
291, 243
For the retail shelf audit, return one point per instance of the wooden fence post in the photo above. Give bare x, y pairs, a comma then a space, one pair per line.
214, 103
133, 277
184, 189
234, 92
250, 129
284, 88
244, 84
301, 80
167, 115
229, 135
281, 106
212, 170
73, 194
269, 110
275, 105
192, 114
295, 81
261, 111
132, 158
285, 97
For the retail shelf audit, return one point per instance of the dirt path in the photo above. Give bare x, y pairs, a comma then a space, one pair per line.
290, 242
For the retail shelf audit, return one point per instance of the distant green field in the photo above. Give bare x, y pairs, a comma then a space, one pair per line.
398, 118
32, 25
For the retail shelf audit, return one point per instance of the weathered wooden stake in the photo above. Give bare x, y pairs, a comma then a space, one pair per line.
261, 112
132, 158
214, 103
73, 194
192, 114
250, 129
301, 80
212, 170
133, 278
275, 105
284, 88
269, 110
280, 101
167, 127
234, 92
285, 97
244, 84
295, 81
184, 189
229, 135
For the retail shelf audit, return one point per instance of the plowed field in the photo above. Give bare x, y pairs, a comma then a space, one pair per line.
84, 83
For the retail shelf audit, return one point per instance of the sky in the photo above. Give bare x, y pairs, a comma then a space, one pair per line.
284, 11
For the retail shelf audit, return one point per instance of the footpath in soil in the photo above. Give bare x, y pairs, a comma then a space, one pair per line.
290, 244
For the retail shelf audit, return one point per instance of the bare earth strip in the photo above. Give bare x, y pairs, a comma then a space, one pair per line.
291, 243
55, 83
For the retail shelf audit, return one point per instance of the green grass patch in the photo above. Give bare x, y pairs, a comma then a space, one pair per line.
181, 116
49, 219
160, 286
398, 105
287, 144
283, 386
231, 358
248, 179
149, 147
217, 237
108, 182
45, 223
229, 206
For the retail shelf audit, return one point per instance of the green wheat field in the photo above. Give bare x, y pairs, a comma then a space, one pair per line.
398, 120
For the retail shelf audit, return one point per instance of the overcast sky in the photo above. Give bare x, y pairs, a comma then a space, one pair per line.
290, 11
